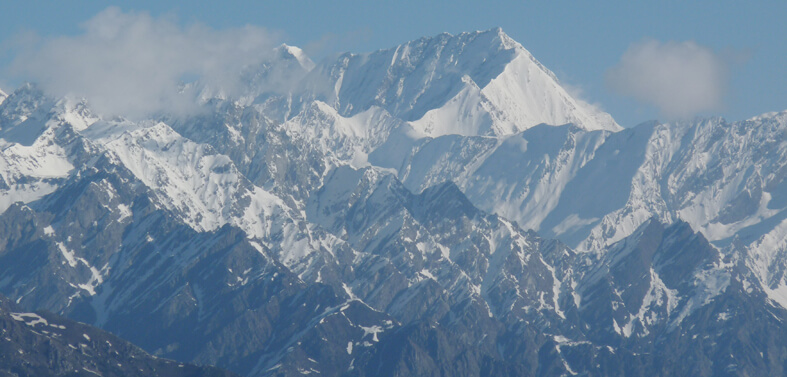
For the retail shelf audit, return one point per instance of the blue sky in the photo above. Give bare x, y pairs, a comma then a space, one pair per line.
579, 40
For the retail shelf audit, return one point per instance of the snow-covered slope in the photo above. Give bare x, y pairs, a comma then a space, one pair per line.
592, 189
191, 179
481, 83
720, 177
39, 146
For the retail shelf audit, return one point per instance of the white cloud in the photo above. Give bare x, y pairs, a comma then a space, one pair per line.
131, 64
680, 78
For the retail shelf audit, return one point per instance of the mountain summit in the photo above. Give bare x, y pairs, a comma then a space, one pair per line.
479, 83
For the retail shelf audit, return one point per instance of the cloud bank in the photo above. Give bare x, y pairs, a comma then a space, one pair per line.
680, 78
132, 64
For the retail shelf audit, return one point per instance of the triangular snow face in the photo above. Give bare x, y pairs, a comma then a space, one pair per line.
479, 83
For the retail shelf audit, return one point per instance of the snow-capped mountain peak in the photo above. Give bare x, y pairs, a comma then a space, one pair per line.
478, 83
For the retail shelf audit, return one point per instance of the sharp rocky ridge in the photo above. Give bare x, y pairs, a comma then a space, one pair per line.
444, 207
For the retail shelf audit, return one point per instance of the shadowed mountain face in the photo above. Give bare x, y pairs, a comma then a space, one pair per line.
441, 208
44, 344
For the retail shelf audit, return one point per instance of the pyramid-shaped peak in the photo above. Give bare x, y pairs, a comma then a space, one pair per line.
496, 35
479, 82
491, 40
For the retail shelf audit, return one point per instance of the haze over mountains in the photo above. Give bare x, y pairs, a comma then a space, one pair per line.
443, 207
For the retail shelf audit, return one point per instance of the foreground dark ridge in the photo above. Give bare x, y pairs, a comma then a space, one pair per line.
44, 344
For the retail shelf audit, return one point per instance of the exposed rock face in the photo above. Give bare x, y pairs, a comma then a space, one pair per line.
44, 344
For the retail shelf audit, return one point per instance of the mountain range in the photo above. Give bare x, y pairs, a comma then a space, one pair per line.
444, 207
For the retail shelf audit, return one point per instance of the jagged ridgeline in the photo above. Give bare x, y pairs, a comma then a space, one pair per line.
441, 208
